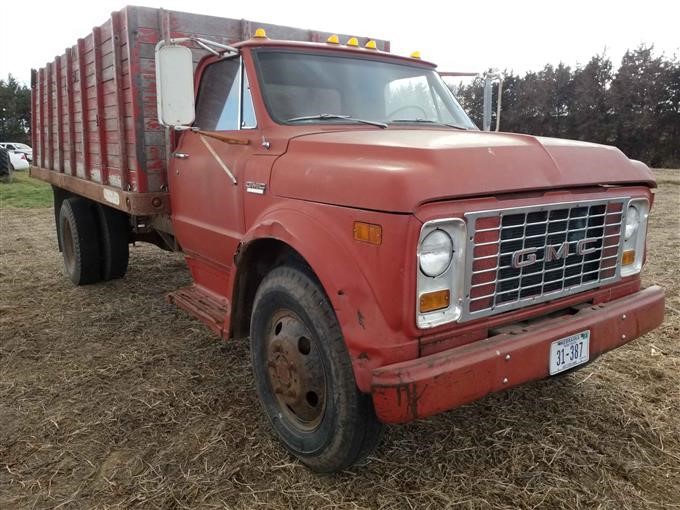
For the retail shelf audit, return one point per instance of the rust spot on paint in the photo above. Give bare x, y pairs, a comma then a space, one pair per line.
408, 396
360, 319
363, 356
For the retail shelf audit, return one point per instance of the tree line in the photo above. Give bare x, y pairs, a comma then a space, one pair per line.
636, 107
15, 111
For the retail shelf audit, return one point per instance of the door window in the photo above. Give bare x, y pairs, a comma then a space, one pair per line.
219, 106
248, 111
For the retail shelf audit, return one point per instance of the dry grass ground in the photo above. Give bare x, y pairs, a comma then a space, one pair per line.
109, 397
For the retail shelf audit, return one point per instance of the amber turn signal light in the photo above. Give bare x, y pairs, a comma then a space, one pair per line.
431, 301
628, 257
367, 232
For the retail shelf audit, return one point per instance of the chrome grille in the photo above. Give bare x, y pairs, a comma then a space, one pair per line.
559, 249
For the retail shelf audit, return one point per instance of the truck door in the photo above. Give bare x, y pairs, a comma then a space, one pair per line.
206, 170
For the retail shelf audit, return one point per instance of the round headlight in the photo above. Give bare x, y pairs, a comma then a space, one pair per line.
632, 222
436, 252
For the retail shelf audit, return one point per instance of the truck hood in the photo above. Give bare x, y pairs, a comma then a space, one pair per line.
397, 170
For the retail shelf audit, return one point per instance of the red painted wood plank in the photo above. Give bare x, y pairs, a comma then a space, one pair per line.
50, 118
34, 135
84, 142
131, 17
96, 38
71, 120
41, 81
60, 114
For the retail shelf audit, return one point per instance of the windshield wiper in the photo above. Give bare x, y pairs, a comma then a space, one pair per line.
428, 121
333, 116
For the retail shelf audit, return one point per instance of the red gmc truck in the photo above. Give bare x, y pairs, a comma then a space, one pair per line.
335, 204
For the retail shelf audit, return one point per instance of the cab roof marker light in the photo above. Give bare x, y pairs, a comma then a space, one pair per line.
333, 39
260, 33
415, 54
371, 45
353, 41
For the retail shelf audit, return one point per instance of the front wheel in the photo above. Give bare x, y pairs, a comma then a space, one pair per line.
304, 376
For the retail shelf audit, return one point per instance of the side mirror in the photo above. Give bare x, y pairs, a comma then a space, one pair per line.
489, 78
174, 85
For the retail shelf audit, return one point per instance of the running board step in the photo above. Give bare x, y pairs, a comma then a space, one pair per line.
205, 306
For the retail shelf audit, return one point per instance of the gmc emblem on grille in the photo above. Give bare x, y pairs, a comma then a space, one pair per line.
527, 256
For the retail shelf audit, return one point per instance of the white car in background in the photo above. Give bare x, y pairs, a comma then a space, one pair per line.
18, 160
19, 147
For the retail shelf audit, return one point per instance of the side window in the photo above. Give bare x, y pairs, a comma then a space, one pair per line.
217, 106
248, 120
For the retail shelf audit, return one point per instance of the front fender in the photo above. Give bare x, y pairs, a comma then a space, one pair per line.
368, 309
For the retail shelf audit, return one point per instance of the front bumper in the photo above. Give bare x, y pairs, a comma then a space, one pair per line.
439, 382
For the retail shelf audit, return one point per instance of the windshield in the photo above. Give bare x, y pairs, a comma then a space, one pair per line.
313, 87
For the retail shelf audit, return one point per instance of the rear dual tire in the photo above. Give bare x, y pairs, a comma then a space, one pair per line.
94, 240
114, 235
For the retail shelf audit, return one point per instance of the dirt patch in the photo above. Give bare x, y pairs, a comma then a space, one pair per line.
110, 397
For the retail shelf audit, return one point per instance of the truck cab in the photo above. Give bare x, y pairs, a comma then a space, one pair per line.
386, 259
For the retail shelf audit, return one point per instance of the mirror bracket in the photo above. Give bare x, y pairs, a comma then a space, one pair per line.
176, 104
206, 44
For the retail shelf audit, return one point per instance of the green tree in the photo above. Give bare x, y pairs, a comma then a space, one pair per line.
590, 116
636, 109
15, 111
638, 98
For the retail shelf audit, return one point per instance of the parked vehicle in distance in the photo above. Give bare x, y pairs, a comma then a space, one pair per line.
19, 147
335, 204
18, 160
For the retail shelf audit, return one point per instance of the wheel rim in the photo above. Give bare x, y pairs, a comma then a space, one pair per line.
68, 248
296, 372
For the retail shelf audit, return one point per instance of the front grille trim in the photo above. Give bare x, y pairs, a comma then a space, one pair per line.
523, 302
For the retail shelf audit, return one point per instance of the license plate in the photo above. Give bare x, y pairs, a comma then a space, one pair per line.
569, 352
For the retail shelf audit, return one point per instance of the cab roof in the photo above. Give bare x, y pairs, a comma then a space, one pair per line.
261, 42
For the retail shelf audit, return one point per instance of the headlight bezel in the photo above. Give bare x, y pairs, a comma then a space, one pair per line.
452, 278
637, 240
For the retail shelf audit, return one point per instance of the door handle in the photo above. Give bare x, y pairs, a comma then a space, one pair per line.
180, 155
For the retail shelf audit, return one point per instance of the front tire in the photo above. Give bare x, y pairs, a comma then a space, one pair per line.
304, 375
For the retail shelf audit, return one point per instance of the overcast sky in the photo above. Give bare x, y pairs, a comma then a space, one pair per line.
459, 36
